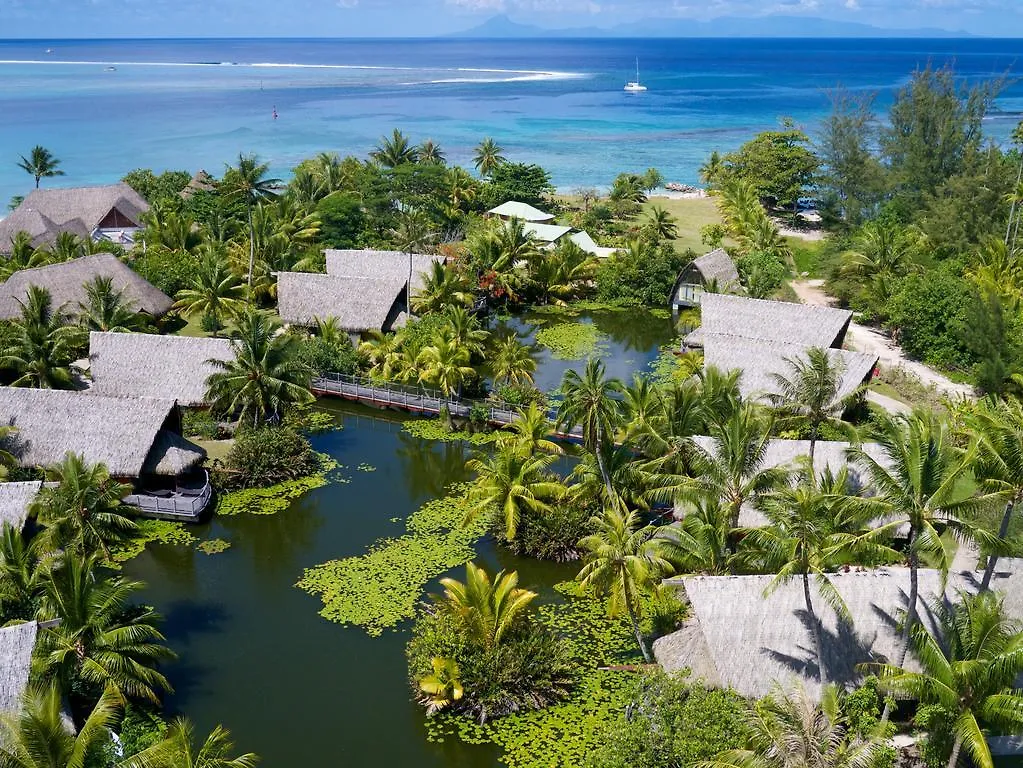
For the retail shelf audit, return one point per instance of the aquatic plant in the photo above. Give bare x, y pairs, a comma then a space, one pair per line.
213, 546
434, 429
572, 341
159, 531
276, 498
381, 588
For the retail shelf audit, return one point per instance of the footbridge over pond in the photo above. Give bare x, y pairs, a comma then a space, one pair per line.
420, 400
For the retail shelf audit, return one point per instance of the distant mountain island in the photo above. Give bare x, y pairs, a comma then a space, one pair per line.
728, 26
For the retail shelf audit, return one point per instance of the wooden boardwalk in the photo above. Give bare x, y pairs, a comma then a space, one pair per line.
418, 400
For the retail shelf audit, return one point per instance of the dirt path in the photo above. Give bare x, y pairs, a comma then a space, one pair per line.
865, 339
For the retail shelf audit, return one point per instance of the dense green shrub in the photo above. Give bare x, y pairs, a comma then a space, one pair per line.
761, 273
165, 187
170, 271
341, 220
929, 312
672, 721
528, 669
520, 395
549, 535
267, 456
329, 356
647, 281
200, 423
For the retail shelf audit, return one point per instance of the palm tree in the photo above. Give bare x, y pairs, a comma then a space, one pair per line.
82, 512
214, 292
21, 574
412, 235
700, 543
997, 434
381, 351
394, 150
101, 640
916, 481
630, 481
106, 309
23, 255
588, 402
799, 541
444, 363
809, 390
621, 562
661, 224
248, 181
513, 362
487, 609
39, 736
443, 686
40, 164
969, 671
429, 152
789, 730
664, 432
43, 344
711, 170
530, 431
179, 749
883, 251
264, 377
487, 156
442, 287
464, 329
510, 482
731, 468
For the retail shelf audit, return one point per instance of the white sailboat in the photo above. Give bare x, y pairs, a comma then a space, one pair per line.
635, 86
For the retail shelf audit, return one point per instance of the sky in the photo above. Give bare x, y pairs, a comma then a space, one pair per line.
416, 18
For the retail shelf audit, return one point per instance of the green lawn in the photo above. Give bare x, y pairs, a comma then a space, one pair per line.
215, 449
691, 215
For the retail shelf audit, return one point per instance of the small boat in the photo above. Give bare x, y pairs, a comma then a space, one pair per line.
110, 69
635, 86
49, 50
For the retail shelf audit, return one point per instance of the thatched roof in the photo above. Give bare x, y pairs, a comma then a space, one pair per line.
776, 321
380, 265
717, 266
200, 182
14, 502
172, 455
45, 213
150, 365
760, 361
827, 455
516, 210
119, 432
736, 636
358, 304
65, 282
16, 645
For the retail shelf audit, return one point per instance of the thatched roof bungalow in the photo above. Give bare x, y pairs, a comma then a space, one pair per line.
761, 361
150, 365
17, 643
736, 636
132, 437
380, 265
713, 268
784, 322
113, 212
15, 499
66, 283
516, 210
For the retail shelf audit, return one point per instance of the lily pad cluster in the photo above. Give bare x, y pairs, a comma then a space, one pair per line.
434, 429
381, 588
276, 498
213, 546
161, 531
572, 341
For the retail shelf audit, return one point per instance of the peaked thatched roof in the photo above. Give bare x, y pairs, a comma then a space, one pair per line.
736, 636
516, 210
172, 455
760, 361
377, 265
200, 182
45, 213
776, 321
717, 266
359, 304
14, 502
150, 365
119, 432
65, 282
16, 645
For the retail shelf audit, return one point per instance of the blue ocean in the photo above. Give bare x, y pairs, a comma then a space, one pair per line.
105, 107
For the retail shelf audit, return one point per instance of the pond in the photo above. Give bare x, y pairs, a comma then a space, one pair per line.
256, 656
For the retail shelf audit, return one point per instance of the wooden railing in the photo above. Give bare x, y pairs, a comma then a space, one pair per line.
178, 506
416, 399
